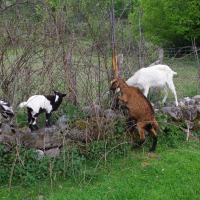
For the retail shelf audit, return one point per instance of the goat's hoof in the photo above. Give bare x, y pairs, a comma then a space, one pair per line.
135, 147
152, 149
48, 125
13, 130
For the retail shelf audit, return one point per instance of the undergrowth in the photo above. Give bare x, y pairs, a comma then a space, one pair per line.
21, 166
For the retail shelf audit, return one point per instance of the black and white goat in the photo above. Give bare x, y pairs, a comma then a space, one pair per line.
38, 104
6, 112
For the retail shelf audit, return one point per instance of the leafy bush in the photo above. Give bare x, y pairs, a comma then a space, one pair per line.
23, 166
172, 135
74, 112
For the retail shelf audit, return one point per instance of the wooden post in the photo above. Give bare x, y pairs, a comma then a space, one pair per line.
159, 61
70, 78
114, 63
119, 63
27, 71
119, 73
140, 39
161, 56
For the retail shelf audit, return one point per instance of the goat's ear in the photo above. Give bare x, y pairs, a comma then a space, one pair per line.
64, 95
54, 91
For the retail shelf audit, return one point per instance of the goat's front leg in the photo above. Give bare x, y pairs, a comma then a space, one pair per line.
146, 91
34, 123
131, 124
0, 127
123, 98
12, 127
48, 115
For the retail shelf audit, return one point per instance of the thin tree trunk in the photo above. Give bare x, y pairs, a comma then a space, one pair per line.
140, 39
70, 78
114, 51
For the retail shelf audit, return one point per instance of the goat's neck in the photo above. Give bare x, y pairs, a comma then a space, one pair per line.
123, 86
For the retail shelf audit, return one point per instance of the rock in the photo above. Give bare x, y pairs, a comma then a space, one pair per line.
8, 141
80, 125
39, 154
192, 102
94, 111
174, 112
76, 135
61, 122
110, 115
189, 113
5, 128
166, 104
181, 104
52, 153
196, 127
44, 138
198, 109
197, 98
86, 109
4, 138
186, 100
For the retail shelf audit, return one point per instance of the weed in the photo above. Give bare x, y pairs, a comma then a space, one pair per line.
172, 135
73, 113
28, 169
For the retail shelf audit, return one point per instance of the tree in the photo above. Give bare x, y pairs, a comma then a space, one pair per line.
175, 21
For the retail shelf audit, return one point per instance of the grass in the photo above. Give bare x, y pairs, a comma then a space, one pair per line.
170, 173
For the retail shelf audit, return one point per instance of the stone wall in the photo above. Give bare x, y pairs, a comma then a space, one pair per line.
49, 141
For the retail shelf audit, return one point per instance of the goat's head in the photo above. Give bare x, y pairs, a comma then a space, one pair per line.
6, 109
59, 96
115, 83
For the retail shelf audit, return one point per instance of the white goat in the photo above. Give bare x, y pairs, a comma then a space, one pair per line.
155, 76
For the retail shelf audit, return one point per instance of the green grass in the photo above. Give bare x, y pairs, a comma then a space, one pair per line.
170, 173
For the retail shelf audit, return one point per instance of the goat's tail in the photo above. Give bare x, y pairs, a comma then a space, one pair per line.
174, 73
156, 126
23, 104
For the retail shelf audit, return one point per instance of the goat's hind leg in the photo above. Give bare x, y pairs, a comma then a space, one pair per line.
155, 137
166, 93
30, 119
172, 88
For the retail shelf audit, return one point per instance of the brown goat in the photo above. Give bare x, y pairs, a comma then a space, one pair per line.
139, 109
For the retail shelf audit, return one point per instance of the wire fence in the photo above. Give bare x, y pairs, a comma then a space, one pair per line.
184, 61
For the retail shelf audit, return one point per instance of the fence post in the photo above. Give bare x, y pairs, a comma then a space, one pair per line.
70, 77
119, 63
160, 61
27, 71
161, 56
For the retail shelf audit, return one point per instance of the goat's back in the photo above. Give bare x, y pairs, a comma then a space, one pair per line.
138, 105
154, 76
36, 102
